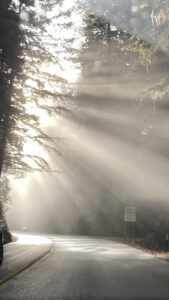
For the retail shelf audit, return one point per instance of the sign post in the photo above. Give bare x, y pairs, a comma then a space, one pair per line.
130, 214
129, 218
166, 243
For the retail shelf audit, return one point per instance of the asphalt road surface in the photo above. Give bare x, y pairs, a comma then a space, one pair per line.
74, 267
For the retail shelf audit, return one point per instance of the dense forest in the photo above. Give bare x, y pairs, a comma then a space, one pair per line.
113, 35
117, 38
23, 86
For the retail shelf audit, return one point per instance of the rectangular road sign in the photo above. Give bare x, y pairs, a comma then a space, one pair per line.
130, 214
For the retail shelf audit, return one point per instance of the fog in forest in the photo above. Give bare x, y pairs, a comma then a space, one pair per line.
113, 149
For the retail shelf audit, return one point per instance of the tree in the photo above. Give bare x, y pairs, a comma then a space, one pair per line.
17, 124
123, 58
27, 48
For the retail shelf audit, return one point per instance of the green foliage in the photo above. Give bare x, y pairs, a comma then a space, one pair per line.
160, 90
26, 46
4, 193
144, 50
23, 47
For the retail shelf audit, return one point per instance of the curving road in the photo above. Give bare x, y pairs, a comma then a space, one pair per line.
81, 268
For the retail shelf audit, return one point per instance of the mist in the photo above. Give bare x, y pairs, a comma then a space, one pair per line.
133, 17
115, 145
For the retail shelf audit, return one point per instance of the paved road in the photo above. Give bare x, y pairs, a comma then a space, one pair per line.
89, 268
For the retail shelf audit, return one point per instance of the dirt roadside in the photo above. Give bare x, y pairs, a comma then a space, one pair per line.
133, 243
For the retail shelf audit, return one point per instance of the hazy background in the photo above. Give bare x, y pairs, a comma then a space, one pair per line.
114, 151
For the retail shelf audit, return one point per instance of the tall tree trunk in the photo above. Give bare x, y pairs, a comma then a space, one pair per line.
3, 140
6, 114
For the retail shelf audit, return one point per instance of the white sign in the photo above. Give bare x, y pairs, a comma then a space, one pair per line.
130, 214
